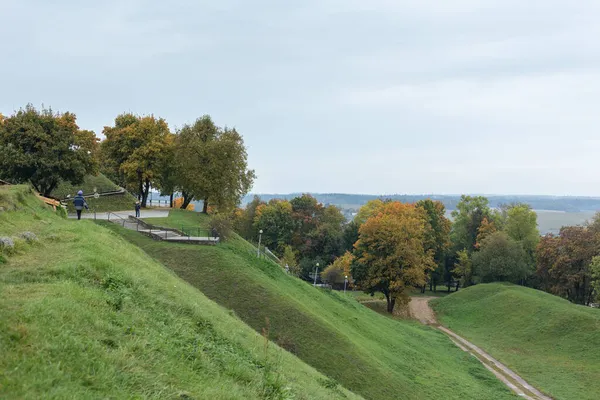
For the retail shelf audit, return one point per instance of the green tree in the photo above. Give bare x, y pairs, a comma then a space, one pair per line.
390, 253
134, 152
500, 259
468, 217
244, 219
166, 179
44, 148
437, 237
212, 165
276, 221
289, 259
521, 226
463, 268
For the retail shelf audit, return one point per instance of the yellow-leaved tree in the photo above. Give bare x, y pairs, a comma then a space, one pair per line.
390, 252
336, 272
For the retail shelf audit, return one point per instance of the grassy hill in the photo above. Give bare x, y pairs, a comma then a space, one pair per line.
84, 314
553, 344
100, 183
375, 356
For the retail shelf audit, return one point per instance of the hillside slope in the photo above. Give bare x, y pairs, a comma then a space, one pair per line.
84, 314
99, 183
368, 353
553, 344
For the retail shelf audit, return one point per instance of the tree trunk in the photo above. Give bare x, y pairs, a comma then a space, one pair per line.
187, 199
145, 192
205, 206
390, 305
171, 200
141, 186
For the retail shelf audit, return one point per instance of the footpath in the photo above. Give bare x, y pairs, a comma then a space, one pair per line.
419, 309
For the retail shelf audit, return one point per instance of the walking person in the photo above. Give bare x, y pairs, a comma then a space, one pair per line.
79, 203
138, 207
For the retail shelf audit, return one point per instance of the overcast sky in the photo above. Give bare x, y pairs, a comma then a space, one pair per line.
378, 96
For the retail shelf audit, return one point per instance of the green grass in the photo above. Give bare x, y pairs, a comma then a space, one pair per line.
98, 182
84, 315
375, 356
551, 343
119, 202
193, 223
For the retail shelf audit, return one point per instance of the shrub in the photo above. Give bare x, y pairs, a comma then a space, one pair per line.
220, 225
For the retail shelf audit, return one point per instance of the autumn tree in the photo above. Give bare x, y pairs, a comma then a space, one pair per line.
368, 210
564, 263
336, 272
437, 237
45, 148
595, 273
500, 259
134, 152
212, 164
486, 228
390, 252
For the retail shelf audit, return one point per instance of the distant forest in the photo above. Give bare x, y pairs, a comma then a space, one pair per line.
351, 201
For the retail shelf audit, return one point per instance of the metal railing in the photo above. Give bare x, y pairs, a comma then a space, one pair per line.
121, 220
196, 231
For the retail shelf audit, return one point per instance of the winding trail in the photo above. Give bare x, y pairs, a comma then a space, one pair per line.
419, 309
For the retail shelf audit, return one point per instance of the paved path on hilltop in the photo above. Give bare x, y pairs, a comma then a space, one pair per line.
123, 214
420, 310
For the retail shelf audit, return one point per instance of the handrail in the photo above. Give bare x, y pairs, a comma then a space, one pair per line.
187, 229
117, 215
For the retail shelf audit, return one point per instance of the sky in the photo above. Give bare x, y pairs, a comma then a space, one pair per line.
378, 96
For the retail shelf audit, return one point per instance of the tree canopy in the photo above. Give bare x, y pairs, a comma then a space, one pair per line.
390, 252
45, 148
500, 258
134, 152
212, 164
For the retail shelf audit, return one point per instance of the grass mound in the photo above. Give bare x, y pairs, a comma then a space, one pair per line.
375, 356
99, 183
553, 344
84, 314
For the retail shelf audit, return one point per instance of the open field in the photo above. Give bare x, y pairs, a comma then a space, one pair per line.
372, 355
553, 344
86, 315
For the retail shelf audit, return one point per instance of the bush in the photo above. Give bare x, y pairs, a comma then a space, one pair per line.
220, 225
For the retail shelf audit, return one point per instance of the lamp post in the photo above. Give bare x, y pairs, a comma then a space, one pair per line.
259, 238
345, 282
316, 273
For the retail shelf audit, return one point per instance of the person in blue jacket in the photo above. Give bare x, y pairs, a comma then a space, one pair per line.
138, 206
79, 203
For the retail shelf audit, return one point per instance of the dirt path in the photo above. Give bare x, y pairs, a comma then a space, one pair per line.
419, 309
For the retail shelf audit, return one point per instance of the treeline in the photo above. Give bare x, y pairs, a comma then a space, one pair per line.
201, 160
556, 203
391, 246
